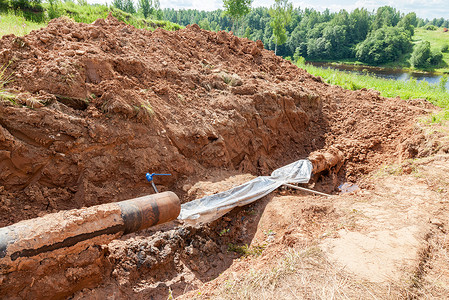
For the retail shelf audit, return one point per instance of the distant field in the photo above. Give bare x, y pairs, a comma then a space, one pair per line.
437, 39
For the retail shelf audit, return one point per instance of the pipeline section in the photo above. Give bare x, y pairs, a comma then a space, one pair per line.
62, 232
74, 230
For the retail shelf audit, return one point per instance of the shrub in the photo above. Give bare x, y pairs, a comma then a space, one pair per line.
421, 55
436, 58
383, 45
445, 48
430, 27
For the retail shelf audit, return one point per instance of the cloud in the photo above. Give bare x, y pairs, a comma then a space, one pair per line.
424, 9
192, 4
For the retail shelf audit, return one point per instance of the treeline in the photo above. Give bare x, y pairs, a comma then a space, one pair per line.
371, 37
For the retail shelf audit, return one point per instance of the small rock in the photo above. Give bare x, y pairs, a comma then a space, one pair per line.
44, 39
407, 170
436, 222
193, 266
186, 187
77, 35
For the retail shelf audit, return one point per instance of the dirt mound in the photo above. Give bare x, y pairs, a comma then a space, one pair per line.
99, 105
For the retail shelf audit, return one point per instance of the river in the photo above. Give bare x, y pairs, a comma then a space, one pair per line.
396, 74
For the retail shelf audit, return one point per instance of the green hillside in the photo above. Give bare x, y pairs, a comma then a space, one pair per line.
16, 23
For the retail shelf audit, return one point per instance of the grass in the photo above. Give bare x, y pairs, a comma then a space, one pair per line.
4, 79
303, 274
246, 250
87, 13
11, 23
17, 25
411, 89
436, 38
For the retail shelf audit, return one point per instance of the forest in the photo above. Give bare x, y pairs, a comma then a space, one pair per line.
373, 38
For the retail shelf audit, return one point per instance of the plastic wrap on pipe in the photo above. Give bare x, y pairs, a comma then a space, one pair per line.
212, 207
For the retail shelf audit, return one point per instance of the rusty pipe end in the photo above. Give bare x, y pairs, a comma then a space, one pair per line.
322, 161
144, 212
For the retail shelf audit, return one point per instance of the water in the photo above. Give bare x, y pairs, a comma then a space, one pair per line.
396, 74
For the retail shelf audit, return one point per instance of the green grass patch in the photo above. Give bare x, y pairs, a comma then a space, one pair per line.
87, 13
17, 25
411, 89
246, 250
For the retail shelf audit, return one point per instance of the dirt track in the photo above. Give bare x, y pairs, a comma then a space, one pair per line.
99, 105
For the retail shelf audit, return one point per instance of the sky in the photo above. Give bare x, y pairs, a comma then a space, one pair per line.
423, 8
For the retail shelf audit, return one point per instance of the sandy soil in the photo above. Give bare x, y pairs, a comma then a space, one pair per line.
386, 242
96, 106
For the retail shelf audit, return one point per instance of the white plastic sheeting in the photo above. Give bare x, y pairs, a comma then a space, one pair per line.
212, 207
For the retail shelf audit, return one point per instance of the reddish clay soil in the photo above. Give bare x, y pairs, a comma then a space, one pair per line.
99, 105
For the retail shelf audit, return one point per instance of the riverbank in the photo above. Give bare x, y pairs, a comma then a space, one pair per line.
387, 73
437, 39
437, 94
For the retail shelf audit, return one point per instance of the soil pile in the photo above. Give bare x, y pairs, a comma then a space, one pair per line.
99, 105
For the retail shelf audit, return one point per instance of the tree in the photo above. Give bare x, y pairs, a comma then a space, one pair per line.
146, 7
128, 6
421, 55
337, 45
386, 16
52, 10
383, 45
31, 10
281, 16
204, 24
4, 5
409, 23
118, 4
359, 23
236, 9
318, 48
297, 41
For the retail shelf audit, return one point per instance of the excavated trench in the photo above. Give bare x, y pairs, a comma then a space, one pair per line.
96, 106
